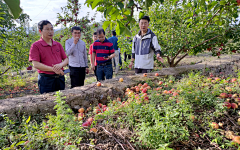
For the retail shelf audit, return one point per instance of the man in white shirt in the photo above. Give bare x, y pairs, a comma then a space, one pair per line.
77, 53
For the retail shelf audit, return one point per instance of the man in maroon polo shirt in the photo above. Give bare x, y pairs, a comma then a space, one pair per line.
49, 58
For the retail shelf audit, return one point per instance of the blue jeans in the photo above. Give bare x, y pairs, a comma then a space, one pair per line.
104, 71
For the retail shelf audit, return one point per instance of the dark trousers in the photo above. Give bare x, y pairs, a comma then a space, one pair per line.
50, 83
142, 70
77, 75
95, 72
126, 56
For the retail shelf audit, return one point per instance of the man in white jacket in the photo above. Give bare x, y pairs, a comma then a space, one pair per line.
144, 45
78, 61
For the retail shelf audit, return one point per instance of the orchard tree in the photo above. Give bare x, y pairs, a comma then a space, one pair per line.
191, 27
70, 17
119, 14
182, 27
14, 38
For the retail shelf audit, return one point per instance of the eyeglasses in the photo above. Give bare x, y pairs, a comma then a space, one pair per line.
76, 32
48, 30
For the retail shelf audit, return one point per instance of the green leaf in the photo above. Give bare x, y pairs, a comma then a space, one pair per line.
109, 9
20, 143
120, 5
14, 6
141, 14
127, 32
120, 28
210, 6
28, 119
131, 3
148, 3
106, 24
95, 3
115, 15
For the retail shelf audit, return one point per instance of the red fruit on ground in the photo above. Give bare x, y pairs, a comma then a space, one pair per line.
100, 105
144, 90
229, 95
93, 130
227, 104
160, 83
175, 94
81, 110
119, 99
86, 124
234, 105
210, 48
217, 79
215, 125
145, 75
169, 92
145, 85
233, 80
90, 119
236, 139
97, 111
98, 83
121, 80
156, 74
223, 95
137, 89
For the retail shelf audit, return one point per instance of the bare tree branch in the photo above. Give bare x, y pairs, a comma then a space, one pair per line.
5, 71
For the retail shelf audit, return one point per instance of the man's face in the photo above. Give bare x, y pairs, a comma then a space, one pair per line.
94, 37
76, 34
143, 24
101, 37
47, 31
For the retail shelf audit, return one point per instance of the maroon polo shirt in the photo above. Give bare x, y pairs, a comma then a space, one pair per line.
48, 55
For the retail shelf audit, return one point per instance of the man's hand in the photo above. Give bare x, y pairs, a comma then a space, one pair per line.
60, 72
131, 64
93, 67
106, 58
160, 59
87, 70
75, 40
57, 67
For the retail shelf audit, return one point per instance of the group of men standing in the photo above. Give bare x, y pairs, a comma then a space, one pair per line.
49, 57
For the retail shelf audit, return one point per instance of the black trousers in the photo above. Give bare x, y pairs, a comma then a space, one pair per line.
95, 72
142, 70
50, 83
77, 75
126, 56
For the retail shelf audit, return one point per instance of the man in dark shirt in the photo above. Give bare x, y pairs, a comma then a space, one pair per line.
104, 52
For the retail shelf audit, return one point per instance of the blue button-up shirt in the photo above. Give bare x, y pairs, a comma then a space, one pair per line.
114, 40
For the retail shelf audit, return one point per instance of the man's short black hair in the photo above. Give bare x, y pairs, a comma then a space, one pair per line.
43, 23
114, 33
94, 33
76, 28
100, 30
145, 18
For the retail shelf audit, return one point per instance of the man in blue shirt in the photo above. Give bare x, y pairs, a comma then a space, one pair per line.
117, 58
